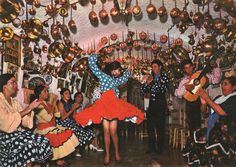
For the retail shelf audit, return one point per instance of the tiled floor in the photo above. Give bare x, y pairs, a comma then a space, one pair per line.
133, 154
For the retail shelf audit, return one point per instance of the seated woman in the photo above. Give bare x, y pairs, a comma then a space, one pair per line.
67, 108
62, 140
221, 130
78, 98
18, 147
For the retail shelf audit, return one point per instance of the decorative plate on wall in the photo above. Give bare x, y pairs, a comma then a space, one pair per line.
35, 81
48, 79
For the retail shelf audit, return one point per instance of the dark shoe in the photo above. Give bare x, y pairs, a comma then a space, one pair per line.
106, 163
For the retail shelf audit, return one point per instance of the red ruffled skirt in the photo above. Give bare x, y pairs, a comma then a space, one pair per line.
109, 107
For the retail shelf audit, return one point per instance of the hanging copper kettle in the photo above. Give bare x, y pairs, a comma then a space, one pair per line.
151, 8
93, 16
175, 12
114, 12
6, 34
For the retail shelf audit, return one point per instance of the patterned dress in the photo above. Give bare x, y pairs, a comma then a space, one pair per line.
215, 145
84, 135
62, 140
18, 146
109, 106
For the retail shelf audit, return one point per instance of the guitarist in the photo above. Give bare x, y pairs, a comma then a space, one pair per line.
193, 110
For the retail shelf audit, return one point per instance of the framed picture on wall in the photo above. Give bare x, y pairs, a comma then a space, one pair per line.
13, 51
60, 83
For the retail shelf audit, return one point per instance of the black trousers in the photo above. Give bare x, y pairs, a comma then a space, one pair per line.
156, 122
193, 112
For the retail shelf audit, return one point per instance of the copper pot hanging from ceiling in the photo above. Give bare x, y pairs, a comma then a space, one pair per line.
184, 16
175, 12
35, 29
136, 9
93, 16
114, 12
51, 9
103, 13
162, 10
151, 8
55, 31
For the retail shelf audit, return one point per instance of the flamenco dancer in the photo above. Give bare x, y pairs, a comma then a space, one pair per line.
109, 108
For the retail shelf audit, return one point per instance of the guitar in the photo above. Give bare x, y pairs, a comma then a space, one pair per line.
197, 80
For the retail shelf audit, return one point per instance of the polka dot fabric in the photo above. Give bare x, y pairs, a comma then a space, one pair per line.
109, 106
106, 81
22, 147
84, 135
155, 88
